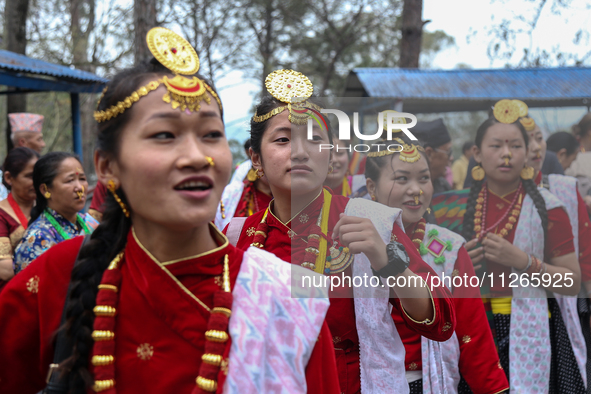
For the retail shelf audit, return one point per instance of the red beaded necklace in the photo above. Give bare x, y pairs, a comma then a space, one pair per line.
480, 215
103, 354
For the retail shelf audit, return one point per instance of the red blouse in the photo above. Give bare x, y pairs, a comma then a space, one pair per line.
251, 198
160, 328
341, 314
479, 361
559, 239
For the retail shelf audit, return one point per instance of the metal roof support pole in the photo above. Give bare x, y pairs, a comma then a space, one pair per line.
76, 128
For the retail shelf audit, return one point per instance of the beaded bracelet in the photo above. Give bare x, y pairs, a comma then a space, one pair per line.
527, 267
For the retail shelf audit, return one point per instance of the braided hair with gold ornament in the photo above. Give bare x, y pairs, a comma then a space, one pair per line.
175, 65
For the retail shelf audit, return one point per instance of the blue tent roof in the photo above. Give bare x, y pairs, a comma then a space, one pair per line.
28, 75
14, 61
460, 90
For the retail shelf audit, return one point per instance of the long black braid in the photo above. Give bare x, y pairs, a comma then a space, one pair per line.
111, 235
529, 186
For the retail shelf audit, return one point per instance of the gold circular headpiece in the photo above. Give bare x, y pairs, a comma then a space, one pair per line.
506, 111
173, 51
395, 119
289, 86
523, 109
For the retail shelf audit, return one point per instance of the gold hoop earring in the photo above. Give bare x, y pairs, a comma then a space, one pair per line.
47, 195
527, 173
330, 169
113, 189
210, 161
261, 173
477, 172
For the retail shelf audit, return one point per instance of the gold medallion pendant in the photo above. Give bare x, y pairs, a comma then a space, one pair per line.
339, 259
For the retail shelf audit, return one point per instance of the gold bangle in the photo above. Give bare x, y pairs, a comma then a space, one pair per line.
104, 310
207, 384
102, 385
216, 336
102, 360
213, 359
259, 232
102, 335
225, 311
108, 287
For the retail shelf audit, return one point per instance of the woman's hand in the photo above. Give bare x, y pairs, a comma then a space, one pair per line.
475, 252
361, 236
499, 250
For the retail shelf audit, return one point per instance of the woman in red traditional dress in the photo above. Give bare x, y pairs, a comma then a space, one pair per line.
15, 211
158, 300
522, 239
243, 197
401, 179
308, 226
338, 179
576, 313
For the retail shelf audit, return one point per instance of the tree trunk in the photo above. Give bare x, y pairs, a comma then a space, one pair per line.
144, 18
15, 33
412, 32
79, 42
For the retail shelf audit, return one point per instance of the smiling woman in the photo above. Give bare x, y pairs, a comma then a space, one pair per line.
328, 234
157, 297
403, 180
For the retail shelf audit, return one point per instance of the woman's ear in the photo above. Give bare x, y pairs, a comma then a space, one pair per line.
43, 188
562, 155
371, 187
477, 153
106, 168
8, 178
257, 162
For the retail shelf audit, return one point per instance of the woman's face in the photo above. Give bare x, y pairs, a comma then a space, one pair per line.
502, 153
536, 149
398, 185
65, 188
162, 167
340, 163
565, 159
292, 164
22, 184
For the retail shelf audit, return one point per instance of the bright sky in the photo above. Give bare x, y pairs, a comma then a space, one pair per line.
460, 19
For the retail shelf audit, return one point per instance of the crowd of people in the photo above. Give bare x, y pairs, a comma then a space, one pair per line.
181, 278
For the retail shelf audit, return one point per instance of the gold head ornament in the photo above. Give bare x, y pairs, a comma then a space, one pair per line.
292, 88
184, 91
409, 153
397, 120
509, 111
